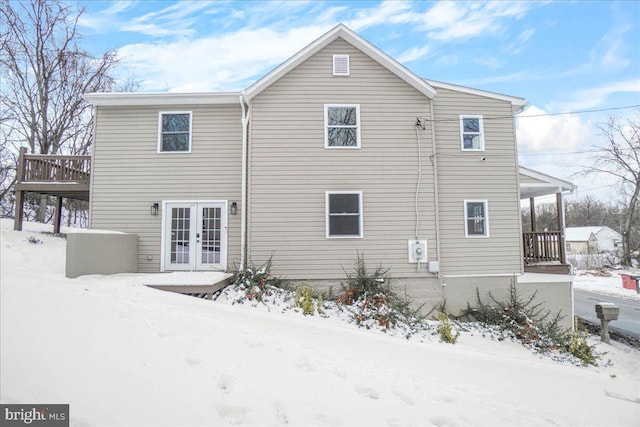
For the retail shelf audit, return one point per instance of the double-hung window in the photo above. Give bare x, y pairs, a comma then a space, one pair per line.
476, 218
342, 126
471, 133
344, 213
174, 134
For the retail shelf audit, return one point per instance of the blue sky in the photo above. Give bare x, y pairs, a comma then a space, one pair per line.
559, 56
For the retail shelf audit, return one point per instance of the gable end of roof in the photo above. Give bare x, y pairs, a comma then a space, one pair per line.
341, 31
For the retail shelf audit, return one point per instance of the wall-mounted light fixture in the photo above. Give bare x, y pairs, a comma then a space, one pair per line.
234, 208
154, 208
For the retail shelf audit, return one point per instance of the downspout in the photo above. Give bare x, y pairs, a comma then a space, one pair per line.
246, 114
91, 174
434, 161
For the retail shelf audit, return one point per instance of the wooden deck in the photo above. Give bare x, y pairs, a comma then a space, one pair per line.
190, 289
544, 253
66, 177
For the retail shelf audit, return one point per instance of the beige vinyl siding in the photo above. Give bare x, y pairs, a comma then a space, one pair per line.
129, 175
290, 170
464, 175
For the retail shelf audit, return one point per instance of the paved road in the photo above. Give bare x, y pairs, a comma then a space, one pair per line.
629, 321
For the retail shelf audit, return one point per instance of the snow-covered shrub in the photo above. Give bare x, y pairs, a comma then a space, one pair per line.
371, 300
446, 331
525, 321
309, 300
256, 281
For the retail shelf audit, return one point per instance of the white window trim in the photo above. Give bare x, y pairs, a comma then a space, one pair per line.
326, 204
160, 114
326, 127
348, 65
486, 219
471, 116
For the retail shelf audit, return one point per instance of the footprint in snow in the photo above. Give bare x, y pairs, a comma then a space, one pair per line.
368, 392
234, 415
281, 414
403, 397
194, 361
225, 383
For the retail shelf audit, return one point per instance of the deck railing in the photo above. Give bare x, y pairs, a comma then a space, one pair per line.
546, 246
52, 168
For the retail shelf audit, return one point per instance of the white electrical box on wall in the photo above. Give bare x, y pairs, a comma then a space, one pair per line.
434, 266
417, 250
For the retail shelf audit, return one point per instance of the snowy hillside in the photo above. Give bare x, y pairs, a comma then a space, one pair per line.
122, 354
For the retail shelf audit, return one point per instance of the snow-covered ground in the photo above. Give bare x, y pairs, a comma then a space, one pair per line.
122, 354
611, 284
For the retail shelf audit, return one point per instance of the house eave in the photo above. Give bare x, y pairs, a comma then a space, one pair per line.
548, 184
160, 98
518, 103
340, 31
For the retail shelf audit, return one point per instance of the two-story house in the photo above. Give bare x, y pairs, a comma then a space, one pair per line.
340, 150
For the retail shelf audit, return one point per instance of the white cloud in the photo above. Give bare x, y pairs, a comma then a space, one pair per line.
447, 59
520, 42
592, 97
413, 54
221, 62
119, 6
561, 146
610, 53
174, 20
448, 21
388, 12
524, 36
488, 61
564, 133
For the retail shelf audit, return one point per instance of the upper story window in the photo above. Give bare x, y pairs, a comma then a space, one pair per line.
476, 218
344, 213
174, 132
342, 126
471, 133
340, 65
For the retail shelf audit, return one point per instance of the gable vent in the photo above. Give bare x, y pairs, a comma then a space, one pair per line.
340, 65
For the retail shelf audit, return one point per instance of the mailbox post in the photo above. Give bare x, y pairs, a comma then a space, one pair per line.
606, 312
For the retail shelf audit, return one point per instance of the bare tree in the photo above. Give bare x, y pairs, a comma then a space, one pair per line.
546, 217
620, 157
44, 74
587, 211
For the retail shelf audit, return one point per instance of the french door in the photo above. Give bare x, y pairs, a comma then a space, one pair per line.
195, 236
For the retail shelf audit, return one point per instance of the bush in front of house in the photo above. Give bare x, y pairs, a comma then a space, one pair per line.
309, 300
445, 329
370, 299
256, 282
523, 320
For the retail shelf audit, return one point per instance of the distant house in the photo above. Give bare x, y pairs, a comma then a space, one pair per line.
339, 151
592, 240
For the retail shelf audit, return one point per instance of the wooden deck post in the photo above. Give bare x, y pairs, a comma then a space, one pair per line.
19, 214
19, 202
57, 217
560, 214
532, 209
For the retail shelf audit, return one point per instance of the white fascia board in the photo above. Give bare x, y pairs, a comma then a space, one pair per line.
160, 98
548, 180
349, 36
515, 101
